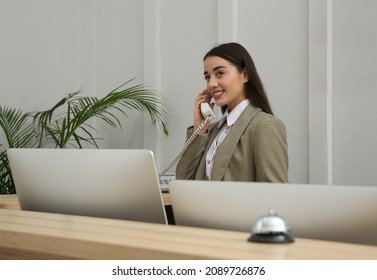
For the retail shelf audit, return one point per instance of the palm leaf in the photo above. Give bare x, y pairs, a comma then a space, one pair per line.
63, 128
6, 179
16, 128
19, 134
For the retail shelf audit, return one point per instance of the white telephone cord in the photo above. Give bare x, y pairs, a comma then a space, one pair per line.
185, 147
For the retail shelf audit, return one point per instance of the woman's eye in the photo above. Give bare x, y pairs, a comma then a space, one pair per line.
206, 78
219, 74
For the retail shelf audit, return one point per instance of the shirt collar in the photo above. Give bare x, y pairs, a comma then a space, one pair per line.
232, 116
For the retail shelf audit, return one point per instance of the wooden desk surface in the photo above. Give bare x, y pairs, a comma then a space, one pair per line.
36, 235
9, 201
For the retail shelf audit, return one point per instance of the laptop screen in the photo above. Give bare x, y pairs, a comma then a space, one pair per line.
337, 213
110, 183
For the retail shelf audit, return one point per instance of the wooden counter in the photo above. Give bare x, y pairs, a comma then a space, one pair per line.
36, 235
9, 201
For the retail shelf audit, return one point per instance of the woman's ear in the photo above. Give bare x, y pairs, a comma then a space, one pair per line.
245, 75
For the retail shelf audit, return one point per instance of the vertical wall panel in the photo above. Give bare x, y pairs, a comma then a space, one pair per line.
354, 89
152, 68
319, 146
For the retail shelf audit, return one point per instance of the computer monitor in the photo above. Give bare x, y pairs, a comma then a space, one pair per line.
325, 212
109, 183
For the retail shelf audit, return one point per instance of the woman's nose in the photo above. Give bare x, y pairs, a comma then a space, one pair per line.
212, 83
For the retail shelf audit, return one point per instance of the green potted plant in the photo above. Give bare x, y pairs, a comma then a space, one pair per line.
67, 123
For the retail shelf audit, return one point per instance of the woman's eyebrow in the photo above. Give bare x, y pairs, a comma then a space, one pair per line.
214, 69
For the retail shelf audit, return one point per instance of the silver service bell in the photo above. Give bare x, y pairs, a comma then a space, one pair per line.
270, 229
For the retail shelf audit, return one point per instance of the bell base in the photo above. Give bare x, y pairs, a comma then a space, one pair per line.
271, 238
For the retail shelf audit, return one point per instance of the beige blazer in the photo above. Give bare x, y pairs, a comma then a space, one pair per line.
255, 149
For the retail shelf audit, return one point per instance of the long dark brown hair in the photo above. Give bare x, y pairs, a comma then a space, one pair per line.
239, 57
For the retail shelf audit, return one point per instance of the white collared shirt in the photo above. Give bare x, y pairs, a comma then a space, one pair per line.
230, 117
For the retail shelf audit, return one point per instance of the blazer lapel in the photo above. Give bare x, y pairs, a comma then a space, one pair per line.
227, 147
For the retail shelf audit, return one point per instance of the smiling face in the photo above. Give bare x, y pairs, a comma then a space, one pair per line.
224, 82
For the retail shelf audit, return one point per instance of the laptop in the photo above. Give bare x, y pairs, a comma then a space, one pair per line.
335, 213
108, 183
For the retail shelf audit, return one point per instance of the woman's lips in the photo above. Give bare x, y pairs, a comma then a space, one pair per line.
217, 94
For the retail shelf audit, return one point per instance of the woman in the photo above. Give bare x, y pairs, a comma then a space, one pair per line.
248, 143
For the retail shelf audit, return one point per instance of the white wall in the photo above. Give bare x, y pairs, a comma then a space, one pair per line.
342, 92
316, 59
40, 51
355, 92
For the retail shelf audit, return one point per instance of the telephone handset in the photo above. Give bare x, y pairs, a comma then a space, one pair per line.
207, 112
209, 117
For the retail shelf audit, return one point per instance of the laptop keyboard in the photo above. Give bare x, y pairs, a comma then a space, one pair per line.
165, 180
